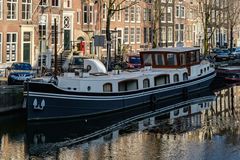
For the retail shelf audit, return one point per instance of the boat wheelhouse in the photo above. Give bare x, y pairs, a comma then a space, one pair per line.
165, 72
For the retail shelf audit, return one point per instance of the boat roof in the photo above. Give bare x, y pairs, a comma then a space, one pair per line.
230, 68
173, 49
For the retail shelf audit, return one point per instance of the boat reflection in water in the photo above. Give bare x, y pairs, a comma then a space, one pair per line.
50, 136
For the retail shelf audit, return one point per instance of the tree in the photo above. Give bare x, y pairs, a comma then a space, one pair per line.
112, 7
212, 16
233, 17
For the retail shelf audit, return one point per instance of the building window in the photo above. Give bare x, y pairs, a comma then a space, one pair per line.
0, 47
145, 35
104, 12
11, 49
67, 3
163, 34
163, 15
169, 14
78, 17
126, 16
26, 9
113, 16
119, 13
85, 14
107, 87
43, 3
12, 9
138, 14
132, 35
132, 14
126, 35
55, 3
90, 14
53, 29
1, 9
170, 34
181, 32
138, 35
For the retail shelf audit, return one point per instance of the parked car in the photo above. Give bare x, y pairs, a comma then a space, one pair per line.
19, 72
133, 61
223, 55
236, 52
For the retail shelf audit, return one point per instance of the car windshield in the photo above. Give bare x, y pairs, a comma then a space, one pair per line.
21, 66
134, 60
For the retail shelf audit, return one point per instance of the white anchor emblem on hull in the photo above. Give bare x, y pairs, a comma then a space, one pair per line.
38, 106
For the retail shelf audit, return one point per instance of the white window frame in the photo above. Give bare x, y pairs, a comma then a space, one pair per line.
170, 34
126, 35
132, 35
119, 13
132, 14
138, 14
126, 15
11, 44
15, 13
113, 16
163, 34
53, 5
138, 35
90, 14
27, 13
85, 13
67, 4
169, 14
58, 28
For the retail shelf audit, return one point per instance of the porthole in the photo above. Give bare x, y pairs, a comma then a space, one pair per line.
88, 88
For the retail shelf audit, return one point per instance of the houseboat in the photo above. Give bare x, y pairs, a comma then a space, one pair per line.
229, 73
165, 73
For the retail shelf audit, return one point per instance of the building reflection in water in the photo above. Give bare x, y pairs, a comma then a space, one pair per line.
199, 129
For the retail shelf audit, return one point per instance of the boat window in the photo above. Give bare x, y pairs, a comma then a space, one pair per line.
171, 59
185, 109
88, 88
159, 59
185, 76
204, 69
128, 85
198, 56
162, 79
208, 68
182, 59
201, 71
193, 57
147, 59
176, 78
176, 112
107, 87
146, 83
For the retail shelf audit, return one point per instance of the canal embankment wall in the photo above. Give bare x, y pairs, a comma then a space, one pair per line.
11, 98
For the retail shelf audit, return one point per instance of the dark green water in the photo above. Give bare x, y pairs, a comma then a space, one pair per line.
205, 126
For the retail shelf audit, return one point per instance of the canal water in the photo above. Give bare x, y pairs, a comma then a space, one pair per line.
199, 126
